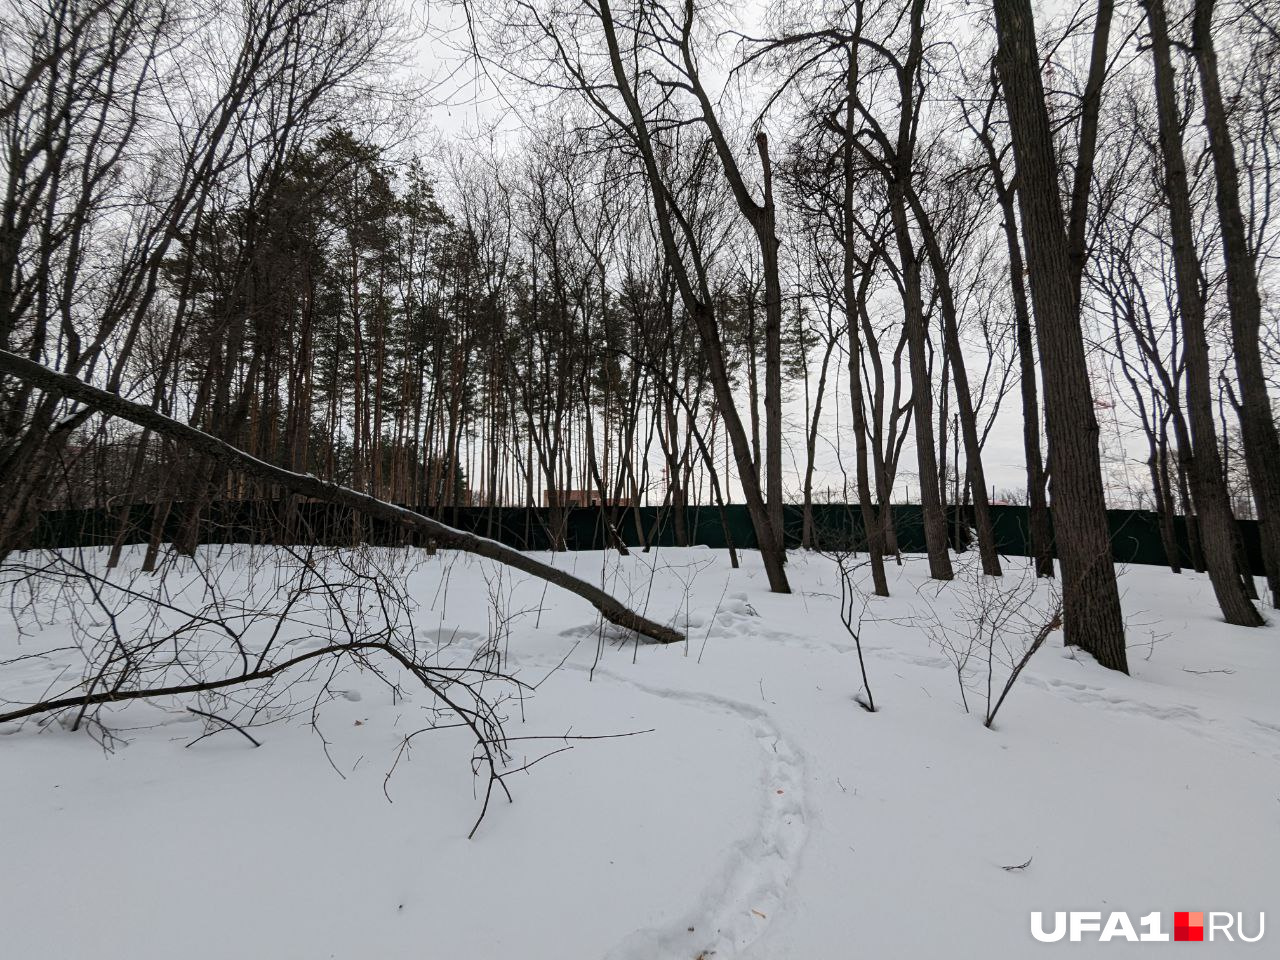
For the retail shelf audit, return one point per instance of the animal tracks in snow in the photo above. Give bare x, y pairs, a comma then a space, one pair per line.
1083, 693
1187, 717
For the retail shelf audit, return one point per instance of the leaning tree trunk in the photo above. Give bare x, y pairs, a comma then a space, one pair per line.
228, 457
772, 556
1091, 599
1257, 419
1208, 488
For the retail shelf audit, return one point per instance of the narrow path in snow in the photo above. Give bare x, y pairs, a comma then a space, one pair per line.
749, 887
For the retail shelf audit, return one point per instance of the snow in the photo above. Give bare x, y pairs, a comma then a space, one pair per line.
764, 813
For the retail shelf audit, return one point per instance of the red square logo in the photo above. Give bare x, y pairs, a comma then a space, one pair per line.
1188, 926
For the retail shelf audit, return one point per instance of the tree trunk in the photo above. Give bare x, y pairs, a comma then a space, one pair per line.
1257, 418
968, 418
935, 521
1091, 600
811, 444
1208, 488
1037, 506
872, 524
1158, 465
768, 236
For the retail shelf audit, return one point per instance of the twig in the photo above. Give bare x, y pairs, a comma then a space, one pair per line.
213, 716
1043, 634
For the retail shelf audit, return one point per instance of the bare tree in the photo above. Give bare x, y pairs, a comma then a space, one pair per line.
1091, 600
1206, 466
1257, 417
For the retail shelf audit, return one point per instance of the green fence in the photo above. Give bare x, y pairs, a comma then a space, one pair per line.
1135, 534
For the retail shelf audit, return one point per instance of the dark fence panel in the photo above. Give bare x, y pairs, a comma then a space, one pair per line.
1135, 534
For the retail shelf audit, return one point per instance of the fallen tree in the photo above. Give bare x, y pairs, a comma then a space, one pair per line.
308, 485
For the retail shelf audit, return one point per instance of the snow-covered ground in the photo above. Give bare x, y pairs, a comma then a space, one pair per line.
763, 814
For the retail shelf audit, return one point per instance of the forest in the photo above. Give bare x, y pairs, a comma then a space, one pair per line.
414, 258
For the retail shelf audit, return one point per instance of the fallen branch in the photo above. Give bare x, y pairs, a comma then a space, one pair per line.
362, 609
204, 686
307, 485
